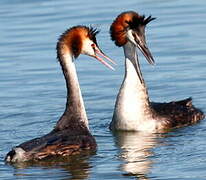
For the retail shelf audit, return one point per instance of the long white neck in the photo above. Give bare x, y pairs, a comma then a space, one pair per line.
75, 114
132, 103
131, 75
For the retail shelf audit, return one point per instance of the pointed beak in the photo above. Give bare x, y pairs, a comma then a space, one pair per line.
100, 53
142, 45
137, 38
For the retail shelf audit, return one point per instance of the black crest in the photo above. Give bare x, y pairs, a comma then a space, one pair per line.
139, 21
92, 32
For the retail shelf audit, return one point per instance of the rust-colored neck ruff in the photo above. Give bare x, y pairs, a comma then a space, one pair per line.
119, 27
124, 22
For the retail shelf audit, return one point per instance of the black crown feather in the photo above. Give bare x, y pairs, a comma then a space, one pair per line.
92, 34
93, 31
140, 20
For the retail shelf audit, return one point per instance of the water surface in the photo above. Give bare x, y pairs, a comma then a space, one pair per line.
32, 87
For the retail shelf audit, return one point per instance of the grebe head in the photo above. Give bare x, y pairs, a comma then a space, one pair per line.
130, 26
81, 40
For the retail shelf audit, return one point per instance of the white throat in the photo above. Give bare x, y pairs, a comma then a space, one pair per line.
74, 79
132, 103
75, 108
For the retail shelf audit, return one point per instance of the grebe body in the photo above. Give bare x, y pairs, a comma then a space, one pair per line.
133, 109
71, 134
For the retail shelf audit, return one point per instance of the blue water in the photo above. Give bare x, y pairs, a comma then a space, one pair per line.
32, 87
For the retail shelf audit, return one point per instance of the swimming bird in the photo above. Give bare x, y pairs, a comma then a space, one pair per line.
71, 133
133, 109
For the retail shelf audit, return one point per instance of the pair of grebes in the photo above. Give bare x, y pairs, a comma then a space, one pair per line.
133, 110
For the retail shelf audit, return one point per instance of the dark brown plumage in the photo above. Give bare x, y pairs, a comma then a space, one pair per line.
57, 143
177, 113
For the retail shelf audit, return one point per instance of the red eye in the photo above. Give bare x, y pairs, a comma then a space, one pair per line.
93, 46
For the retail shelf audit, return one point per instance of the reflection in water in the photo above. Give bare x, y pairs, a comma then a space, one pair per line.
71, 167
135, 151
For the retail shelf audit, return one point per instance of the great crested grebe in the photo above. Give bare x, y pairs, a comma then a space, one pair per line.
133, 109
71, 133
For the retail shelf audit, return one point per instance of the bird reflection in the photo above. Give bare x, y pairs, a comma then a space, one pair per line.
135, 152
71, 167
